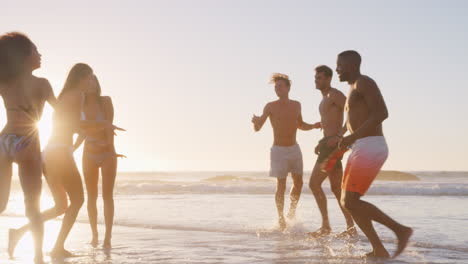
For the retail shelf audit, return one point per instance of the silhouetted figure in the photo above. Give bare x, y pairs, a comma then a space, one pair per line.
366, 111
285, 156
331, 113
99, 153
24, 96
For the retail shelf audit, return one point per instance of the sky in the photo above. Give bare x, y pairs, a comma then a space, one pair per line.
185, 77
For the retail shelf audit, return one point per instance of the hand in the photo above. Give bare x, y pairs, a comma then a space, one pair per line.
255, 119
317, 125
317, 149
118, 128
346, 142
333, 141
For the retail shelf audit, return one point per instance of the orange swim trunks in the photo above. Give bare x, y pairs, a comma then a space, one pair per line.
364, 163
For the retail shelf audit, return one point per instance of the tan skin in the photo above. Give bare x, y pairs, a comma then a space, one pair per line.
285, 117
29, 93
61, 172
62, 175
331, 113
366, 111
108, 167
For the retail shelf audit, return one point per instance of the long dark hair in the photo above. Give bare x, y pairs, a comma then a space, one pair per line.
97, 95
77, 73
15, 48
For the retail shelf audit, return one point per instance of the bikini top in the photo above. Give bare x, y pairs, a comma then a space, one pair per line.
99, 117
29, 110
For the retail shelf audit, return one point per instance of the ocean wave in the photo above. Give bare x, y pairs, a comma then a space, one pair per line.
258, 188
232, 178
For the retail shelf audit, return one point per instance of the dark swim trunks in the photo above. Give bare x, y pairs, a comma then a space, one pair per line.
325, 151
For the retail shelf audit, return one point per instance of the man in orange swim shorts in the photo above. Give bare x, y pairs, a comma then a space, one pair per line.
366, 110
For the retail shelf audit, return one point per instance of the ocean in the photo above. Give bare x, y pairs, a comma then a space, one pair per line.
230, 217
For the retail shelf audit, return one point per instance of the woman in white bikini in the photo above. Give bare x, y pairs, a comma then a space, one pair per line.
99, 154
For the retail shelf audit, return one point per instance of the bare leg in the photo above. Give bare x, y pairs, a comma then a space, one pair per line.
74, 187
315, 184
91, 175
5, 182
30, 174
295, 194
279, 198
335, 184
109, 172
61, 204
364, 213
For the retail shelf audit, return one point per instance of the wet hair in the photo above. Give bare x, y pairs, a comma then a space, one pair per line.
352, 56
15, 48
325, 69
280, 77
77, 73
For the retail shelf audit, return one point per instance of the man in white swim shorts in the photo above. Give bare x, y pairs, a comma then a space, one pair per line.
286, 157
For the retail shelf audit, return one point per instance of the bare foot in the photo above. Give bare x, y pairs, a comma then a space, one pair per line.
61, 253
107, 244
350, 232
282, 223
13, 239
39, 260
94, 241
323, 231
403, 237
383, 253
291, 215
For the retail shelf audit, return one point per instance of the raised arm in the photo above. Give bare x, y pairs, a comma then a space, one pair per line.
303, 125
259, 121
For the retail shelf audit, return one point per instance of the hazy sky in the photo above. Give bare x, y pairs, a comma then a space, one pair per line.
186, 76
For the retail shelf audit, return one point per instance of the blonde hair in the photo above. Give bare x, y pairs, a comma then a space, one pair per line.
280, 77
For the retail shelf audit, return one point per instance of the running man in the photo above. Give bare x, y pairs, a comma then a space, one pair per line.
286, 157
366, 111
331, 112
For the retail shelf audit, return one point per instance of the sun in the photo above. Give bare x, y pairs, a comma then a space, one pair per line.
45, 124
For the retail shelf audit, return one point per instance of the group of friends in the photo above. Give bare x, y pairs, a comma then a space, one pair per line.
80, 110
365, 110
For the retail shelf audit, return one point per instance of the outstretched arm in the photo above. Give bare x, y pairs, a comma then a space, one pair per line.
305, 126
259, 121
